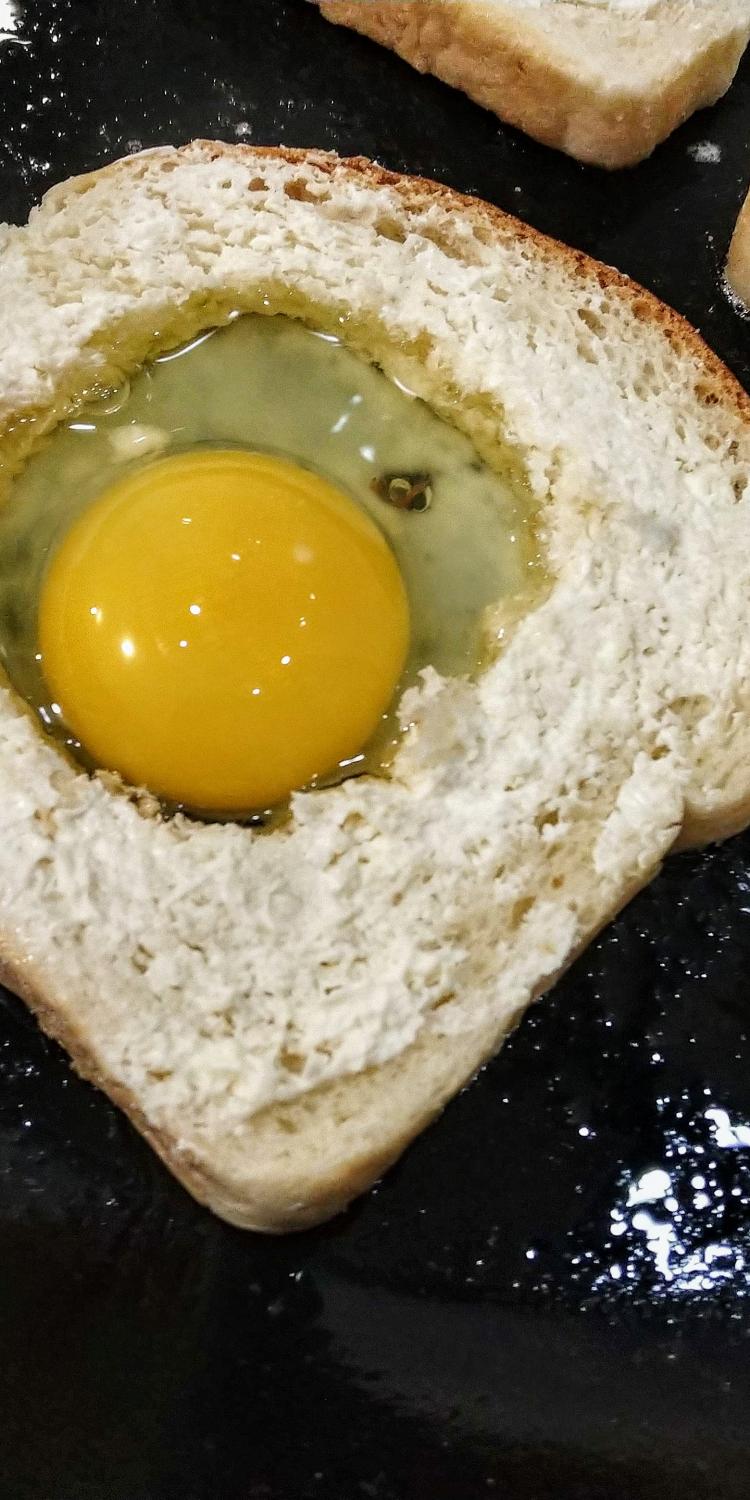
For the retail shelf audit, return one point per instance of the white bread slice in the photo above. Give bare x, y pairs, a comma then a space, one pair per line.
604, 80
280, 1014
738, 260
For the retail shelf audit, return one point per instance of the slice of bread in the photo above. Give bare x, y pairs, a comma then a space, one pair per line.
604, 80
738, 260
280, 1014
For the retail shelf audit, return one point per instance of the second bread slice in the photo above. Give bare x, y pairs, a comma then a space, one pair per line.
605, 82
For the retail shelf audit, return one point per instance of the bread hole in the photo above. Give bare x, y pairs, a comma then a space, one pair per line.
593, 321
159, 1075
557, 882
201, 259
646, 383
141, 958
484, 234
548, 818
658, 752
689, 700
515, 784
288, 1126
390, 229
690, 708
292, 1062
452, 245
705, 393
739, 487
585, 351
257, 185
298, 189
444, 999
712, 441
519, 910
659, 620
396, 898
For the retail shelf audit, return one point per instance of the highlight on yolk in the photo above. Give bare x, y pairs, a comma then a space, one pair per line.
223, 626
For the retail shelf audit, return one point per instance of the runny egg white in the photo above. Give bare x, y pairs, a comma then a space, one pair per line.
218, 580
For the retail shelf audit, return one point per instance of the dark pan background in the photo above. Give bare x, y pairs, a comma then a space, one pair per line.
548, 1298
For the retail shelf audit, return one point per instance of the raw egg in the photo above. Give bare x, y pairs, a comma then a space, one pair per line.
218, 577
223, 627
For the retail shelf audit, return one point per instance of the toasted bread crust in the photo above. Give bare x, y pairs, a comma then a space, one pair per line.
511, 67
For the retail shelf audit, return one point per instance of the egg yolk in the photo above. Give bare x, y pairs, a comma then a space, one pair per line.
222, 627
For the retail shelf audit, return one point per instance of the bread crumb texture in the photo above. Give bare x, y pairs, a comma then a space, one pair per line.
209, 973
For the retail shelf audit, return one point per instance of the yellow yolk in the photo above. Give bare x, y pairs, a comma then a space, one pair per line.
222, 627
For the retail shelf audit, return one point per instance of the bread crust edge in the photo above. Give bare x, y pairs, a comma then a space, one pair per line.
738, 260
278, 1205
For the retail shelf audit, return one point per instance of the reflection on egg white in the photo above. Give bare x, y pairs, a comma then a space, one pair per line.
165, 359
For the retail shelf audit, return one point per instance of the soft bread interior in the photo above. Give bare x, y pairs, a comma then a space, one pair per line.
281, 1015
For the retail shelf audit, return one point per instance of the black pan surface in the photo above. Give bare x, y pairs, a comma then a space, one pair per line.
549, 1298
